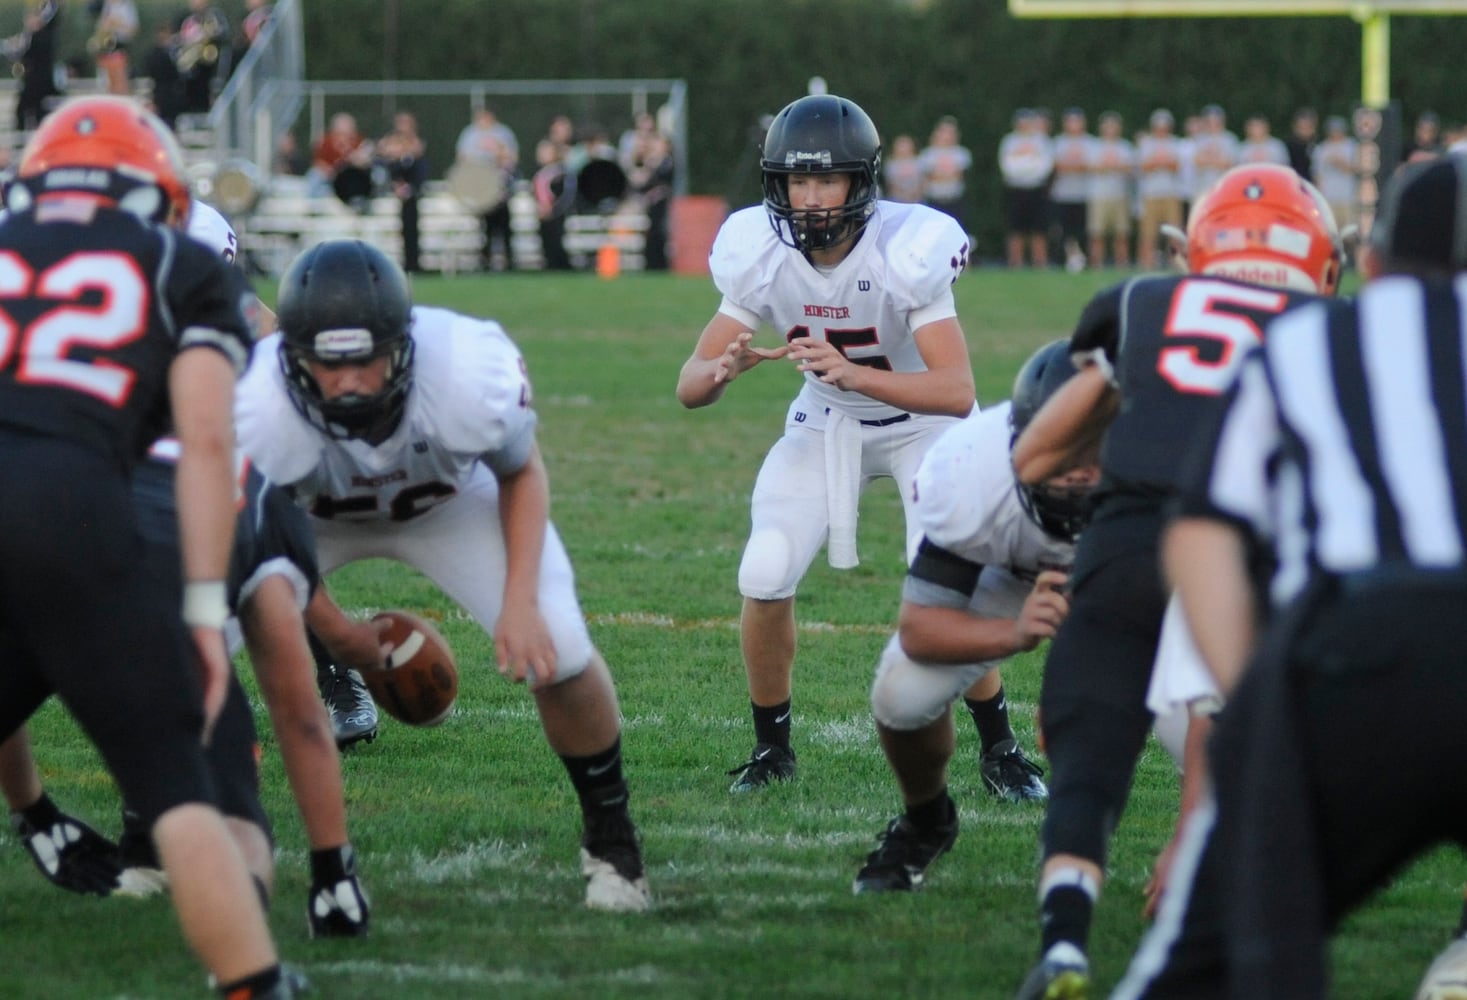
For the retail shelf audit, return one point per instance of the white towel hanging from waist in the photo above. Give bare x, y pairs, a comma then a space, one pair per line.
842, 487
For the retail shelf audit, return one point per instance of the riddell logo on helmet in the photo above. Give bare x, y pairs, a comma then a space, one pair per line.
1262, 272
72, 178
349, 343
798, 159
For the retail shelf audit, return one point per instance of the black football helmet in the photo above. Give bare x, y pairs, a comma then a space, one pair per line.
1059, 511
820, 134
345, 301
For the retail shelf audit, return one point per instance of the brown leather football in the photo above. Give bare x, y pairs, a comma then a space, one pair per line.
421, 680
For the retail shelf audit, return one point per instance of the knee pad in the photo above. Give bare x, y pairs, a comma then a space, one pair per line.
908, 695
768, 571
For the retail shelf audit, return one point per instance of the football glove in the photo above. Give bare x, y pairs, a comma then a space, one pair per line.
338, 905
68, 852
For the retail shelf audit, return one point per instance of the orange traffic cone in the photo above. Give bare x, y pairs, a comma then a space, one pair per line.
608, 259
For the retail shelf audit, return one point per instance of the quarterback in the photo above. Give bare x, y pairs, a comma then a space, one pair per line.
860, 292
408, 432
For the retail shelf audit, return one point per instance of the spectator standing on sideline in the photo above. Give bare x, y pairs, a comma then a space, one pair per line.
160, 66
359, 380
1337, 170
402, 154
202, 51
1112, 178
945, 165
1303, 137
872, 401
1260, 145
1426, 138
1026, 161
42, 25
987, 582
489, 144
1214, 152
649, 177
1336, 458
1159, 186
554, 193
115, 28
1145, 393
168, 339
901, 172
1070, 191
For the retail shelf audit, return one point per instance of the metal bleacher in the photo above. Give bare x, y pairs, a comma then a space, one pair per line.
287, 219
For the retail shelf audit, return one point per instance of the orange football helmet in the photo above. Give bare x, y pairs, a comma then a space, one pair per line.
113, 147
1266, 225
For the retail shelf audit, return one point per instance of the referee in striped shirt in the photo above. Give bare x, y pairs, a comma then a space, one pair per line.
1341, 461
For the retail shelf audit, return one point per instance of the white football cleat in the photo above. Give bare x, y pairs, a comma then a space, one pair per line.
140, 883
608, 889
1446, 978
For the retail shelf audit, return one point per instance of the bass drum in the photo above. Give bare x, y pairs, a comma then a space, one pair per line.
478, 187
600, 186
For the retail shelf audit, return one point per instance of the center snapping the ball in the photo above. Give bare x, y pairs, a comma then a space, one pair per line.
421, 680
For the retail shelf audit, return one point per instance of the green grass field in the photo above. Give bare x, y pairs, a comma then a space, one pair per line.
468, 832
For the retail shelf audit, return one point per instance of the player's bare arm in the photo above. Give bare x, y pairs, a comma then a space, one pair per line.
1207, 562
1067, 426
522, 645
201, 390
934, 634
353, 645
725, 350
945, 388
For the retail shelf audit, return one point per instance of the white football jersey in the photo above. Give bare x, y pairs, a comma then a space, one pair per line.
968, 504
904, 264
469, 402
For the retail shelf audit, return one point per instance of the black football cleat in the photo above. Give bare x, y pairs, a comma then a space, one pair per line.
901, 860
768, 763
1011, 776
353, 712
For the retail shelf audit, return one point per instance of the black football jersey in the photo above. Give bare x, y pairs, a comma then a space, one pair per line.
94, 306
272, 534
1176, 343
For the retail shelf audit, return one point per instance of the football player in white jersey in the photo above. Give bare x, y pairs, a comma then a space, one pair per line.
986, 583
408, 433
860, 291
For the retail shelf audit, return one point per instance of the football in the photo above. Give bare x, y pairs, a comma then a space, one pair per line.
420, 682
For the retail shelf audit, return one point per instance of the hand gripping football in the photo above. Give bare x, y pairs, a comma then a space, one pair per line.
420, 682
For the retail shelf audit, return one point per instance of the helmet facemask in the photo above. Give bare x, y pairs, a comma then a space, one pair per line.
370, 418
821, 228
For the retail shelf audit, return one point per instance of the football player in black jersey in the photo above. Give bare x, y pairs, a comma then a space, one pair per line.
273, 574
111, 325
1155, 353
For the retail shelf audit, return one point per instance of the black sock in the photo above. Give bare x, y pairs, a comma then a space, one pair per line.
1065, 916
992, 719
41, 813
251, 986
598, 780
324, 669
935, 812
772, 724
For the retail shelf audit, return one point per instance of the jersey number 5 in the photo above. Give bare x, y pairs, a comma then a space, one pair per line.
844, 340
46, 342
1216, 311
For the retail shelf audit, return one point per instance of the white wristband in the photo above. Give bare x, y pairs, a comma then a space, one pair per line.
205, 604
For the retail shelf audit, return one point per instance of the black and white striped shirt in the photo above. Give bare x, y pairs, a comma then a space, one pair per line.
1343, 446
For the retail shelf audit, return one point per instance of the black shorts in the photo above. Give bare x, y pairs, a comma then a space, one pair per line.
1028, 209
84, 616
